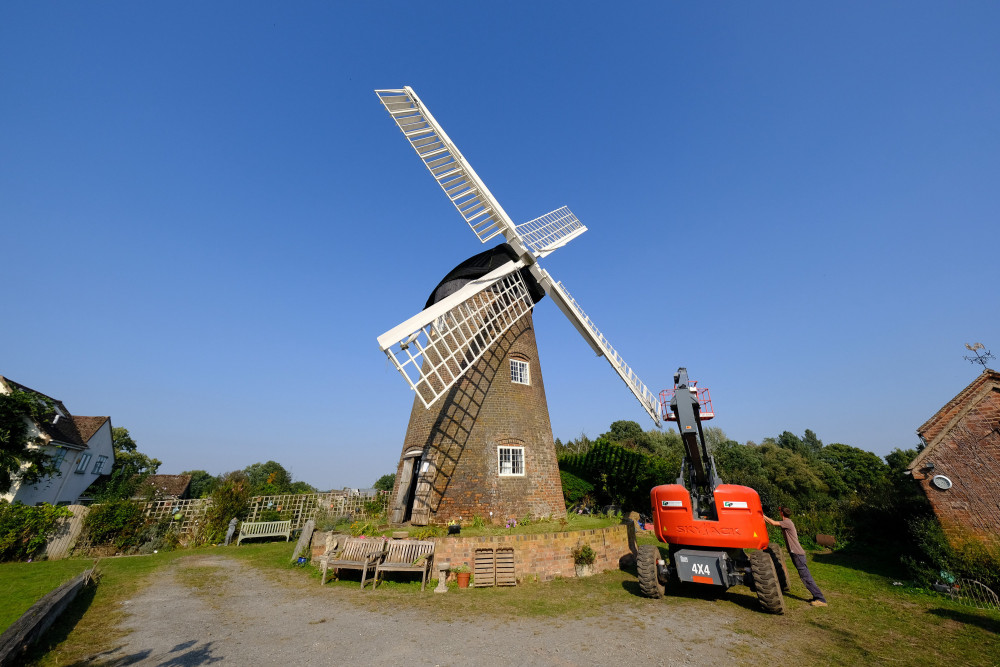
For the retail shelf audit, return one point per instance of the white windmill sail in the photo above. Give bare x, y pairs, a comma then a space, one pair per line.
431, 372
474, 201
434, 347
568, 305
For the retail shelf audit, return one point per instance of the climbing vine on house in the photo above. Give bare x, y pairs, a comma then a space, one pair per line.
20, 459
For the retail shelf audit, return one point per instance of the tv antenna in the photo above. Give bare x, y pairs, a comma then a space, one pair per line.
979, 358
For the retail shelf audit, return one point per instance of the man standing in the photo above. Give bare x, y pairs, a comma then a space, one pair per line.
798, 554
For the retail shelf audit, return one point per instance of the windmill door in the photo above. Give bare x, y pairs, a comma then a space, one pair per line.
403, 503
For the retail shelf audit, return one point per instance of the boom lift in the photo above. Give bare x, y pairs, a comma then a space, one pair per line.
715, 532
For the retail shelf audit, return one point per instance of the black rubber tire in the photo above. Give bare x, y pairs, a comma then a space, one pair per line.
765, 580
646, 566
778, 556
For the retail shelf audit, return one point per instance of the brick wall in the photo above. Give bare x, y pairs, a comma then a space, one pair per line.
459, 437
544, 556
968, 453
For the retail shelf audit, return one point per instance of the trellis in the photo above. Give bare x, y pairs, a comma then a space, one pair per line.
187, 515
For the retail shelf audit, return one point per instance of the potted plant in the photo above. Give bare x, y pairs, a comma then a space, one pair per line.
583, 558
462, 575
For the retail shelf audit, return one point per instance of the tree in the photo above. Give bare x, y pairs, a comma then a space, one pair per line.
21, 458
130, 468
862, 472
268, 479
626, 432
385, 482
202, 483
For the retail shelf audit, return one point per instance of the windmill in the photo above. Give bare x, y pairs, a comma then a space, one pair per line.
479, 438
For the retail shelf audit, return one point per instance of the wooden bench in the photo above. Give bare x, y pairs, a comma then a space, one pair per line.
250, 529
406, 556
359, 553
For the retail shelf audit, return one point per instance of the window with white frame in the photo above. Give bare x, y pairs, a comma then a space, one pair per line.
81, 465
99, 466
519, 372
58, 458
511, 461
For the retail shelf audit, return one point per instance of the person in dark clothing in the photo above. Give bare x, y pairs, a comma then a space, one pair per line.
798, 554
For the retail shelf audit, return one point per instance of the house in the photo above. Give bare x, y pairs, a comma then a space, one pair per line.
82, 449
959, 467
165, 487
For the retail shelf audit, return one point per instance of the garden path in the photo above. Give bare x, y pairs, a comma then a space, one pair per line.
206, 609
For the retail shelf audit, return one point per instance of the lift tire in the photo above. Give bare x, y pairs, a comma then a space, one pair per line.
649, 578
765, 579
778, 556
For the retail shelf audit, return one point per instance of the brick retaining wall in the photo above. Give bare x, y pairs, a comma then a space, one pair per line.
543, 556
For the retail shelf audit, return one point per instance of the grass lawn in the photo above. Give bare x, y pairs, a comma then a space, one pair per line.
869, 620
23, 584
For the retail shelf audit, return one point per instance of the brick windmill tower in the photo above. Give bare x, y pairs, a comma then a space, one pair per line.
479, 441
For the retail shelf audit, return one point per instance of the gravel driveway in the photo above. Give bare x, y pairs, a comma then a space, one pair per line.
202, 610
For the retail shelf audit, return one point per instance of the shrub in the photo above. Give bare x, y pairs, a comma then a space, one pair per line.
269, 514
584, 554
231, 498
117, 523
25, 530
575, 490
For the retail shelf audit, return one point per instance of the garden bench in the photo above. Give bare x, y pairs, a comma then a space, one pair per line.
359, 553
407, 556
250, 529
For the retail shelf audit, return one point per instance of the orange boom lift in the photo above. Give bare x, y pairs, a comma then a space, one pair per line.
715, 532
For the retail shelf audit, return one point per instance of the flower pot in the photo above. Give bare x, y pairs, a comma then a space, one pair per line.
463, 579
584, 569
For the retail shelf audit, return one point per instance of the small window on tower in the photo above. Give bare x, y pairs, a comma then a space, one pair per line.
519, 372
511, 460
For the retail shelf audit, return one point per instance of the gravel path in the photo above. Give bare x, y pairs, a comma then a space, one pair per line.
206, 609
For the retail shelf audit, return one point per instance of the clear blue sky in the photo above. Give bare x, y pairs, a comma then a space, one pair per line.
206, 216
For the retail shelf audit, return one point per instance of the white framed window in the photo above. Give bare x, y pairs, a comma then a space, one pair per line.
519, 372
99, 466
81, 465
58, 458
510, 461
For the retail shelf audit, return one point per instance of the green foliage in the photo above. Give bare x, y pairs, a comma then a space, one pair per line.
575, 490
364, 527
428, 532
268, 479
231, 498
584, 554
202, 483
120, 523
385, 482
21, 459
269, 514
619, 475
130, 469
25, 530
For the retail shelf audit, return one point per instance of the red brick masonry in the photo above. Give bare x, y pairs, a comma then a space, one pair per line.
543, 557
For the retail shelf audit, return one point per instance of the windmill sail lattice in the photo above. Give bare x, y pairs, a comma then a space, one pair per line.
433, 348
431, 358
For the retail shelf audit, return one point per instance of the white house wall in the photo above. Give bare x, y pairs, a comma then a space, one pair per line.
69, 485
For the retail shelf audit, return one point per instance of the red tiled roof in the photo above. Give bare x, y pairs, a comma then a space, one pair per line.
88, 426
174, 486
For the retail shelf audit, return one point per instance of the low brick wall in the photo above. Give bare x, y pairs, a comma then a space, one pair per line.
544, 556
